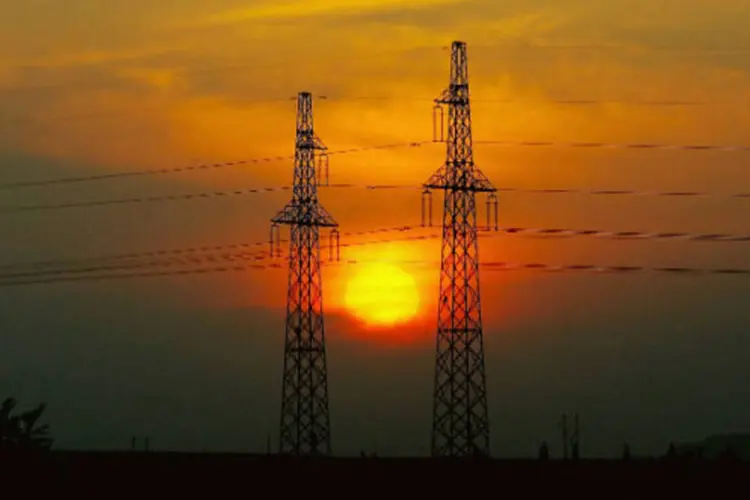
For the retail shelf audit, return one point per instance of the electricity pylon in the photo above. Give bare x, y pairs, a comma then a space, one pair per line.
460, 426
305, 421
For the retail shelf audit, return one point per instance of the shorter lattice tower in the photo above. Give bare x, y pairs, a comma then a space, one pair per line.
305, 427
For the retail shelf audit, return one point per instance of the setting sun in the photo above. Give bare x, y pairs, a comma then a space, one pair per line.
382, 294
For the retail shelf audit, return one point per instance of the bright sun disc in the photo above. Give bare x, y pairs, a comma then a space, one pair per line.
382, 294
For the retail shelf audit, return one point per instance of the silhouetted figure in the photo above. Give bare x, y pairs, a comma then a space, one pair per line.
626, 452
544, 452
132, 443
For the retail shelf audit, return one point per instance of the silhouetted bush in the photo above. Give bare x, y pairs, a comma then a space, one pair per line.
20, 432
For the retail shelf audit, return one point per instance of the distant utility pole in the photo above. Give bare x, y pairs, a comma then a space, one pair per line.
305, 422
460, 425
564, 431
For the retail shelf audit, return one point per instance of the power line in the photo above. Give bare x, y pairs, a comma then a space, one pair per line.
624, 192
607, 145
205, 166
593, 192
174, 257
626, 235
411, 144
193, 255
547, 267
185, 258
137, 173
561, 102
370, 187
42, 264
146, 274
614, 47
596, 268
496, 266
148, 199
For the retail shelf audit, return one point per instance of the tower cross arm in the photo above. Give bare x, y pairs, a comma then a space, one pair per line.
318, 143
303, 214
456, 94
310, 141
460, 178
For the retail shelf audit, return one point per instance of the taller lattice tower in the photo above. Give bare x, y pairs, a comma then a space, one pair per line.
460, 420
305, 421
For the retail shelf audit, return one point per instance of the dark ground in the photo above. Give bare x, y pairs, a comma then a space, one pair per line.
146, 473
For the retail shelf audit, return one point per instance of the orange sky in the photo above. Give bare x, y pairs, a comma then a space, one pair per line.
147, 86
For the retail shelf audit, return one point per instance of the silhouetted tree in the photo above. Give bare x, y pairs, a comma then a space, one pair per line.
20, 432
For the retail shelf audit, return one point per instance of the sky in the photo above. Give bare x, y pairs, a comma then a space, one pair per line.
92, 87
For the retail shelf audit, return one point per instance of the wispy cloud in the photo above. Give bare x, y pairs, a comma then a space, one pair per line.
295, 9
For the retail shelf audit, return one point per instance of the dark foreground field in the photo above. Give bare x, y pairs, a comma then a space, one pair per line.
265, 476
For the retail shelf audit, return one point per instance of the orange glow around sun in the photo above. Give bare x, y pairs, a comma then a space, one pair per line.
383, 294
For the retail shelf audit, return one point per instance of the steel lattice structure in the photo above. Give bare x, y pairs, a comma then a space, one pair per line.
305, 422
460, 425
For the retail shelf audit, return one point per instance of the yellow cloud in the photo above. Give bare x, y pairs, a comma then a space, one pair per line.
276, 9
162, 79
